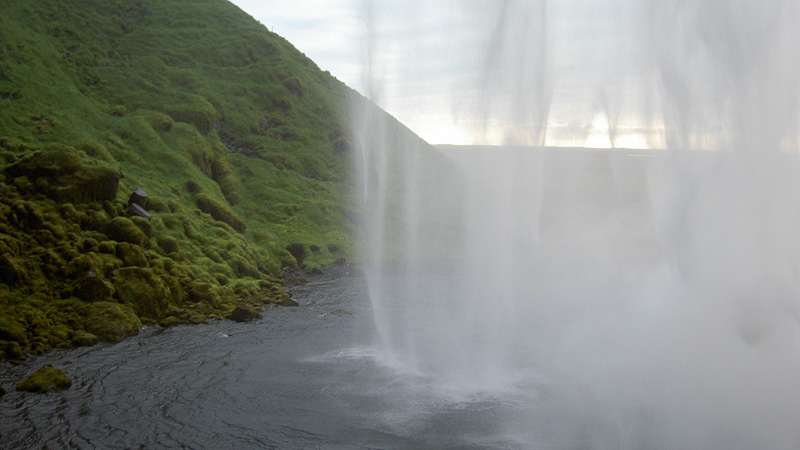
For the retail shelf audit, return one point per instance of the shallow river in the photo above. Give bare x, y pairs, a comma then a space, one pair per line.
300, 378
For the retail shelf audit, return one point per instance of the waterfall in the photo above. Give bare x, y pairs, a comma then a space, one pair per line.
666, 277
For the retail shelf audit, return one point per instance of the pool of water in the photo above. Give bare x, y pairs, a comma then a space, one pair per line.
310, 377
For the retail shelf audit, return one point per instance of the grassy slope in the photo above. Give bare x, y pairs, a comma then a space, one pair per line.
241, 142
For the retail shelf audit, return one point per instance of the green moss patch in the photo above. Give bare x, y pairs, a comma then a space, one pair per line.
219, 212
122, 229
45, 379
11, 330
111, 321
92, 288
145, 292
84, 339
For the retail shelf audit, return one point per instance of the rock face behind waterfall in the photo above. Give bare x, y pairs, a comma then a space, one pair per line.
240, 143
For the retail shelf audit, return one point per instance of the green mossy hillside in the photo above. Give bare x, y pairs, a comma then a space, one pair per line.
241, 143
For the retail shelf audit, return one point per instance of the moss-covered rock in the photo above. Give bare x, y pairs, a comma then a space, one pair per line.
200, 291
58, 171
45, 379
83, 265
11, 350
107, 247
122, 229
131, 255
144, 225
159, 121
52, 161
168, 244
175, 293
342, 145
144, 291
171, 321
197, 317
11, 271
93, 288
11, 330
111, 321
28, 214
98, 183
244, 313
84, 339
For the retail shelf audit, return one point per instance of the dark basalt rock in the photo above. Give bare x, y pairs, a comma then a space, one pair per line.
135, 210
139, 196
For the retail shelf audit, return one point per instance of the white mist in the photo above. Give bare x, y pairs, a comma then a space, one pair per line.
656, 291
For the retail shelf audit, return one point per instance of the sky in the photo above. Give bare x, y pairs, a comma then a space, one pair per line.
593, 73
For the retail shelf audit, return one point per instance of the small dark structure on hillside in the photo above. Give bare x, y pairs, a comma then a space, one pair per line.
139, 196
136, 203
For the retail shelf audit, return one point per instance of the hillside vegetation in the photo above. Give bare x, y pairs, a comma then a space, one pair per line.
241, 143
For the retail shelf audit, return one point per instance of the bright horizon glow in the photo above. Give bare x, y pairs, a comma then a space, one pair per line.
599, 135
445, 135
632, 141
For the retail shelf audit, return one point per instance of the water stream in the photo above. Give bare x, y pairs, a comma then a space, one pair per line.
304, 377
